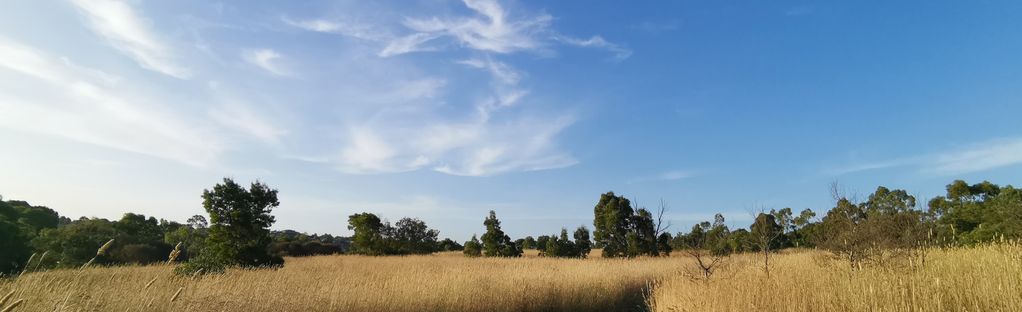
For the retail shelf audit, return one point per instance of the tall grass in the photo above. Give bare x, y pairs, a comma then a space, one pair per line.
441, 282
987, 278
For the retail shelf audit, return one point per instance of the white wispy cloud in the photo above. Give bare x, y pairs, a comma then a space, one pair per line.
982, 156
502, 72
383, 113
470, 148
265, 59
669, 175
875, 165
492, 29
976, 157
67, 101
127, 31
408, 44
620, 53
675, 175
355, 30
233, 114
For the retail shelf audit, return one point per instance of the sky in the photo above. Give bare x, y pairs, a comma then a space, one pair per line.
444, 109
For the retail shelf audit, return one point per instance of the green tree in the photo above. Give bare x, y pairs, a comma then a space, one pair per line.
473, 248
623, 231
642, 234
414, 237
802, 227
557, 247
977, 213
886, 226
192, 238
611, 224
449, 245
529, 243
495, 242
75, 244
368, 238
14, 245
663, 243
139, 240
541, 243
240, 219
582, 243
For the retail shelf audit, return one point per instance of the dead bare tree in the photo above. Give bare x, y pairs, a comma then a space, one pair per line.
706, 244
765, 231
660, 226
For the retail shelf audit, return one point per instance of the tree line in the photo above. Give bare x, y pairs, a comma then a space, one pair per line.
235, 233
887, 223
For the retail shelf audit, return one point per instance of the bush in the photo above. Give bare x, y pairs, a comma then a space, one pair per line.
202, 265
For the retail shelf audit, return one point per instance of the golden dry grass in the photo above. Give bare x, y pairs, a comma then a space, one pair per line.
442, 282
985, 278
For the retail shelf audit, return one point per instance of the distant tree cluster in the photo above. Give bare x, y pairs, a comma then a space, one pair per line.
377, 237
20, 224
976, 213
562, 247
288, 243
238, 235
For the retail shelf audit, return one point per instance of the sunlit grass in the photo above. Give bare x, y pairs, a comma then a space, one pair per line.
987, 278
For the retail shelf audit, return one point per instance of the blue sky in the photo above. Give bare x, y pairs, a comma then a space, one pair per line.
444, 110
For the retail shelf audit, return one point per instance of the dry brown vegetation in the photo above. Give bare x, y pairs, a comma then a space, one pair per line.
441, 282
987, 278
984, 278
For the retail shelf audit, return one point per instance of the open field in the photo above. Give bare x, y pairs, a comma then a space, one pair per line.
985, 278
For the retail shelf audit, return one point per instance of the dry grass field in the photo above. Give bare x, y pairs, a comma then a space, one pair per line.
985, 278
976, 279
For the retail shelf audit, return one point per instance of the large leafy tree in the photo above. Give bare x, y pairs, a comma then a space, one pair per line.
368, 237
612, 223
621, 230
376, 237
412, 236
240, 220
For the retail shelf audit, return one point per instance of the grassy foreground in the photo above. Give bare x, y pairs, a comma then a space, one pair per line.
985, 278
